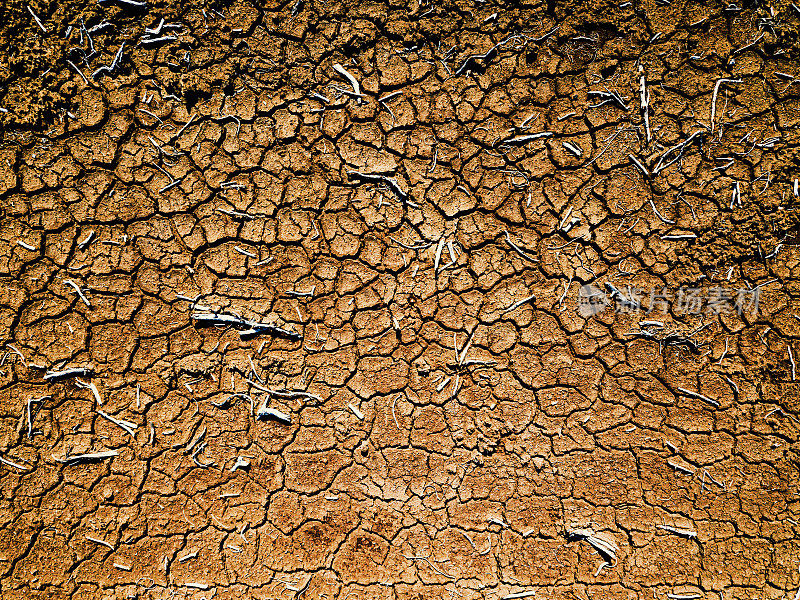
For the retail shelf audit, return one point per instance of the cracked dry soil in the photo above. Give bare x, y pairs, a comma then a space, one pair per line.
457, 426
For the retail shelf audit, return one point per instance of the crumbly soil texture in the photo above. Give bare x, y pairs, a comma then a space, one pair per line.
401, 301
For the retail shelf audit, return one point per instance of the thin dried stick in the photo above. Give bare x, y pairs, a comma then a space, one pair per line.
714, 97
692, 394
126, 425
519, 250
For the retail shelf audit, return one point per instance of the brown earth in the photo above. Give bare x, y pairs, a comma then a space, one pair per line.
465, 429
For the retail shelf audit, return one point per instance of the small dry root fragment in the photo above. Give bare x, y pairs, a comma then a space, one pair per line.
64, 374
78, 291
519, 250
679, 236
93, 388
11, 463
196, 586
38, 401
524, 139
99, 541
607, 550
352, 80
284, 393
680, 467
698, 396
520, 595
717, 85
187, 556
90, 457
248, 327
126, 425
390, 182
265, 413
617, 294
241, 463
681, 532
356, 412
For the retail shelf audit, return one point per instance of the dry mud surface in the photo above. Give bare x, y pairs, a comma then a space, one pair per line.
459, 426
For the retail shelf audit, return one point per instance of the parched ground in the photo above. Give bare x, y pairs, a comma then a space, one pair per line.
459, 424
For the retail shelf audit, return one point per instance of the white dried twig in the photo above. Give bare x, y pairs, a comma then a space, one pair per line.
189, 122
681, 532
520, 595
10, 463
640, 166
437, 259
187, 556
574, 148
679, 236
524, 139
606, 549
430, 564
90, 386
608, 97
270, 413
349, 76
78, 71
658, 214
18, 353
171, 185
679, 147
198, 438
516, 305
99, 541
126, 425
680, 467
30, 417
519, 250
736, 195
78, 291
241, 463
284, 393
252, 327
71, 372
35, 18
616, 293
698, 396
644, 100
714, 97
89, 457
390, 182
